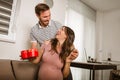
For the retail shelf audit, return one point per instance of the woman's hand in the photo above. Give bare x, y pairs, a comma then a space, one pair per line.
73, 55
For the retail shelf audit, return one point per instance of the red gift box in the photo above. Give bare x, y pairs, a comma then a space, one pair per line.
31, 53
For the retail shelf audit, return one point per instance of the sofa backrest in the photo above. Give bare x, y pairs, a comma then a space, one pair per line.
6, 72
25, 70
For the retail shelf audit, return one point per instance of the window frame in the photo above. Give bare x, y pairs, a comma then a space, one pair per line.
11, 37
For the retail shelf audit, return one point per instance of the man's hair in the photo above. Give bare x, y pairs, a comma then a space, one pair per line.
41, 7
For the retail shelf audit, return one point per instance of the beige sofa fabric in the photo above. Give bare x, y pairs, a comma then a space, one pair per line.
25, 70
6, 72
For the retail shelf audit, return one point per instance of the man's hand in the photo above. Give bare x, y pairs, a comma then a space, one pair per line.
73, 55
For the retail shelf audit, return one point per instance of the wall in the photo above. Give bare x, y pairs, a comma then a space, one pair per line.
25, 20
108, 39
108, 28
81, 19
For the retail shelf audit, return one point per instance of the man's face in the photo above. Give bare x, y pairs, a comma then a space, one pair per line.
44, 18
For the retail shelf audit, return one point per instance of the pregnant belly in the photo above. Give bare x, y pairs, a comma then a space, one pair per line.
50, 72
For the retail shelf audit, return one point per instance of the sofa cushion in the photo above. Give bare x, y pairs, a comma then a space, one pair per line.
6, 72
114, 75
25, 70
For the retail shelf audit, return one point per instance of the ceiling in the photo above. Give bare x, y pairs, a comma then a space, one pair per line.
103, 5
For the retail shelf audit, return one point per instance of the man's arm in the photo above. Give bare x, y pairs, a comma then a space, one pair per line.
33, 44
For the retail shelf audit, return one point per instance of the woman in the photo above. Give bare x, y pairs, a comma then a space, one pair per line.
56, 55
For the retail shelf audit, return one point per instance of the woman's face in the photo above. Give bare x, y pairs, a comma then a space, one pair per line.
61, 33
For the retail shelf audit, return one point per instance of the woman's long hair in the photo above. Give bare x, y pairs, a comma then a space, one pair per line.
66, 47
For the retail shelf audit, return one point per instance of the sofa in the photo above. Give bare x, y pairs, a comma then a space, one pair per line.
18, 70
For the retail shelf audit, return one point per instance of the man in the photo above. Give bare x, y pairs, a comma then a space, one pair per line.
45, 29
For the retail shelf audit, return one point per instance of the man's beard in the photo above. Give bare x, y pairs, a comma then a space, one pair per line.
44, 23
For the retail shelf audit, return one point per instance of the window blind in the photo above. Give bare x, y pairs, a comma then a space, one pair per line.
5, 14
